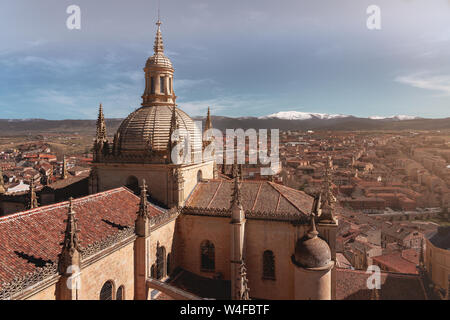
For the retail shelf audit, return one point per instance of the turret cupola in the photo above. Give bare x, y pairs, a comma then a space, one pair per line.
158, 75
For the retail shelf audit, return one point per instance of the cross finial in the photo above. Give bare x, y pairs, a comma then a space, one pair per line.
158, 23
313, 231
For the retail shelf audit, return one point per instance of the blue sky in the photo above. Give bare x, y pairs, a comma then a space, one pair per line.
242, 58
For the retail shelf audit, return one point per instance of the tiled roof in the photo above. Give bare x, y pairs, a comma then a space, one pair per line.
352, 285
60, 184
257, 196
396, 262
32, 238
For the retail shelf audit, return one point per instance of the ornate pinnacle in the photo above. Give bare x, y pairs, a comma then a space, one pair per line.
101, 126
237, 197
71, 242
208, 123
173, 120
159, 46
32, 196
143, 206
173, 126
312, 233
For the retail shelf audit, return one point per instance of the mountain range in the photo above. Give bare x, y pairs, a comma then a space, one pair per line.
287, 120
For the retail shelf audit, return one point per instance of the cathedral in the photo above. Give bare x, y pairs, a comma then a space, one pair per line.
153, 229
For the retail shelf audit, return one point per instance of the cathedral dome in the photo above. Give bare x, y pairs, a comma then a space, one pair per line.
148, 129
312, 251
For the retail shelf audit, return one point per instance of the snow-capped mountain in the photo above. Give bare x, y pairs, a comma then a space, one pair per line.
297, 115
397, 117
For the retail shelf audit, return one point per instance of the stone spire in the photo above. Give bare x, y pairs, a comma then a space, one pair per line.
33, 203
238, 271
70, 253
173, 126
69, 262
2, 183
143, 205
236, 200
159, 45
312, 233
101, 126
141, 247
208, 122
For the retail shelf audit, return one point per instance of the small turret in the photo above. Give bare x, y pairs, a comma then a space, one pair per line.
312, 266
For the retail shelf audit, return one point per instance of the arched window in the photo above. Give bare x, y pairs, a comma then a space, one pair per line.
120, 293
268, 265
208, 263
107, 291
133, 184
169, 263
199, 175
152, 88
162, 82
160, 262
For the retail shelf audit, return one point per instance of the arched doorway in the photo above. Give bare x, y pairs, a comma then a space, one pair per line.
133, 184
208, 258
199, 175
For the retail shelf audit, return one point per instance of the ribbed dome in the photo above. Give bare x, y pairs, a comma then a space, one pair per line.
148, 128
159, 60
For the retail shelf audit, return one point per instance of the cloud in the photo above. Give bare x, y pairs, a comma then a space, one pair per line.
182, 84
238, 104
427, 81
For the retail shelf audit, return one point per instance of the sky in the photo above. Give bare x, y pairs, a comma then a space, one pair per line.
241, 58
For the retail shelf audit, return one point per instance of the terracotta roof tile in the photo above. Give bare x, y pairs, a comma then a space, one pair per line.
258, 196
352, 285
32, 238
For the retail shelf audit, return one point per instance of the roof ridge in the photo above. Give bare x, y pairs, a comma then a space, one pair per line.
272, 184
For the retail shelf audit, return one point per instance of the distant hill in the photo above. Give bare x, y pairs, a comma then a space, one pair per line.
350, 123
33, 126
